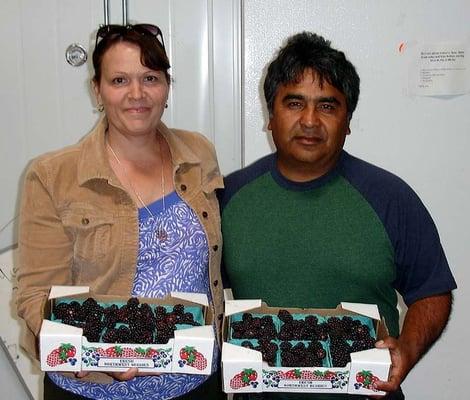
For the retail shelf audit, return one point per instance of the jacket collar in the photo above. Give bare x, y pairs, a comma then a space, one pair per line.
93, 162
181, 153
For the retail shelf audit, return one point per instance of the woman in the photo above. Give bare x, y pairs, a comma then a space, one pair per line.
129, 210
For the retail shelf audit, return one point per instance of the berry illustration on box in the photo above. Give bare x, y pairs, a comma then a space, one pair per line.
366, 380
191, 357
65, 353
247, 377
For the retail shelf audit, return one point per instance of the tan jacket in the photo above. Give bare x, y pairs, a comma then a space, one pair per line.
79, 226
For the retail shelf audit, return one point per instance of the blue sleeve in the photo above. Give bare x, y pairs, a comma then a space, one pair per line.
422, 269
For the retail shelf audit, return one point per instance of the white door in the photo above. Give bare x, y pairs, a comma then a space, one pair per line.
45, 103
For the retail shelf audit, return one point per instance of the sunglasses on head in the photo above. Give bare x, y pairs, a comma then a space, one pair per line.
144, 29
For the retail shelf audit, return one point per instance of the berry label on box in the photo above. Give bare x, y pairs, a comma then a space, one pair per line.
191, 357
247, 377
65, 353
365, 379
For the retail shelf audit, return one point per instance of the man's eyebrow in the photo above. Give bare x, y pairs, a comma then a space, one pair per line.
326, 99
293, 96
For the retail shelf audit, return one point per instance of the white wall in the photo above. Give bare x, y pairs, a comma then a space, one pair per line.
424, 140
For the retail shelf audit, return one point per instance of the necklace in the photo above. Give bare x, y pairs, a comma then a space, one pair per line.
160, 233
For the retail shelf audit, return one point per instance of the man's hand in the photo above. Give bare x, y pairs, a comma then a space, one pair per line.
424, 322
401, 363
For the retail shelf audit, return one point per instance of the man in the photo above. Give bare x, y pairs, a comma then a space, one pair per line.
311, 225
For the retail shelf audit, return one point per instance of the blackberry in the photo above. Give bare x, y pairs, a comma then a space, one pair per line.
133, 303
360, 332
267, 327
60, 311
138, 333
90, 310
92, 330
285, 346
363, 344
178, 309
146, 337
293, 330
188, 318
268, 350
126, 312
160, 311
336, 327
311, 320
317, 350
164, 334
67, 311
301, 355
144, 317
253, 327
238, 330
123, 314
111, 317
285, 316
340, 350
247, 317
123, 334
111, 336
321, 332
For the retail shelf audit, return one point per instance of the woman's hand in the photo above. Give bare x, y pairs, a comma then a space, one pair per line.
131, 373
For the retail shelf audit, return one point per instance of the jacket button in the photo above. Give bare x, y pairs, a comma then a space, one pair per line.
204, 214
220, 316
85, 221
216, 282
183, 187
215, 247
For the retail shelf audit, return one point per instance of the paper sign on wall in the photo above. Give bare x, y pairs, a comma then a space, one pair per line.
440, 69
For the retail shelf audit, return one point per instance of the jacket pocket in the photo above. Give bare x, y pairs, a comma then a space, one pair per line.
91, 231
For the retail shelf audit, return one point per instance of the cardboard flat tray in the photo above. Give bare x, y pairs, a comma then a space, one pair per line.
245, 371
64, 348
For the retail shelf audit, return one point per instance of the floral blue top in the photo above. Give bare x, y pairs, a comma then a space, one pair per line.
175, 261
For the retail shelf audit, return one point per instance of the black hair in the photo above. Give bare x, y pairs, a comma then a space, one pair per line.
305, 51
152, 52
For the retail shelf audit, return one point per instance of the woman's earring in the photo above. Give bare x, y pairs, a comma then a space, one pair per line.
100, 107
166, 105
